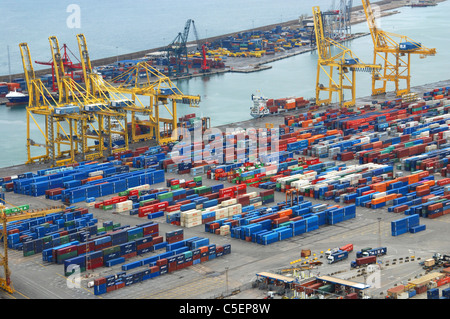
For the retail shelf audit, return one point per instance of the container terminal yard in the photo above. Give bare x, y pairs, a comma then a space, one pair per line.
346, 200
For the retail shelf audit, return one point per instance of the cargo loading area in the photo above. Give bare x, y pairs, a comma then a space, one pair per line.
151, 232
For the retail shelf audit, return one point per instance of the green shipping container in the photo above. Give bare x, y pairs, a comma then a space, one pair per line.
28, 253
100, 229
111, 250
64, 239
163, 196
135, 236
197, 179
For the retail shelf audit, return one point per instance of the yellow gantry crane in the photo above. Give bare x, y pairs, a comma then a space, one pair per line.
394, 51
103, 123
143, 81
41, 102
5, 218
79, 125
346, 63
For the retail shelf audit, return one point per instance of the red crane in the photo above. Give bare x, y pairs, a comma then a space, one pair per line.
205, 66
69, 66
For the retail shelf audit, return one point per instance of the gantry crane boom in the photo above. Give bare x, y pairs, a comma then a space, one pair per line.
394, 51
344, 61
73, 119
85, 63
58, 66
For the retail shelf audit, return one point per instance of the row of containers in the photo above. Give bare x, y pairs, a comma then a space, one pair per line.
72, 238
268, 225
430, 285
178, 255
36, 234
184, 206
383, 137
86, 180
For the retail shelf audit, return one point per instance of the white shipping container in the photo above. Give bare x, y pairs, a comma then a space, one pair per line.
224, 230
228, 202
96, 173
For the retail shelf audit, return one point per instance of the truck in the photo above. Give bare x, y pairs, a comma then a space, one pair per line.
437, 260
348, 248
371, 252
337, 256
363, 261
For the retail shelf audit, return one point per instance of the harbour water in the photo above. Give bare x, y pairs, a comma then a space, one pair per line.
225, 97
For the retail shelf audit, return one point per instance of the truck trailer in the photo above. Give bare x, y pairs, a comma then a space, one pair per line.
371, 252
363, 261
337, 256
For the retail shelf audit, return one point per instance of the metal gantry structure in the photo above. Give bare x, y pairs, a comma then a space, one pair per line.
78, 124
134, 86
87, 122
394, 51
345, 62
5, 280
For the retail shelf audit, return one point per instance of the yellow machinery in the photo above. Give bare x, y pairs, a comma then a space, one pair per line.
394, 51
143, 81
5, 282
78, 123
345, 62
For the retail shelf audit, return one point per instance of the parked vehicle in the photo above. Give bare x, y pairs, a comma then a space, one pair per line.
348, 248
371, 252
337, 256
363, 261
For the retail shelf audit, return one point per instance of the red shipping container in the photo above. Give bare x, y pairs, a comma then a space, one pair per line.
99, 281
145, 245
130, 255
161, 262
111, 288
172, 266
154, 269
157, 240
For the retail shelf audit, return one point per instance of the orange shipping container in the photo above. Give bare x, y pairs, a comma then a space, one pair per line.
413, 178
94, 178
286, 212
423, 174
422, 187
306, 123
379, 187
378, 200
391, 197
305, 135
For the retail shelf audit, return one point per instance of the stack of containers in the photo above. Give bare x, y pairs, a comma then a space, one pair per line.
188, 253
406, 224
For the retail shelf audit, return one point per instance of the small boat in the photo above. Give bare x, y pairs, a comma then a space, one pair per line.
16, 98
263, 106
